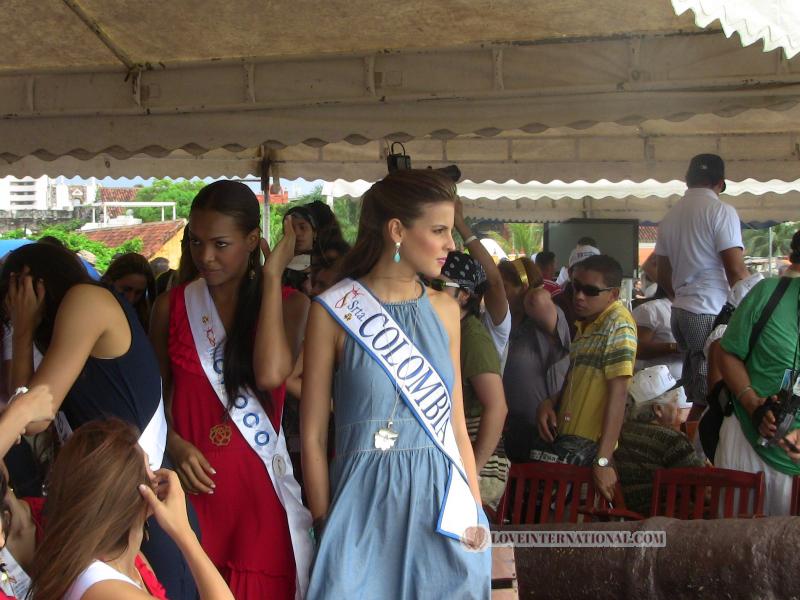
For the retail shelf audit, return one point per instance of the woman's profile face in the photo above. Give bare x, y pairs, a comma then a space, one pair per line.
220, 249
429, 239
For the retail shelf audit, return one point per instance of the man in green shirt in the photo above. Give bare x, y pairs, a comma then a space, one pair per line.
771, 366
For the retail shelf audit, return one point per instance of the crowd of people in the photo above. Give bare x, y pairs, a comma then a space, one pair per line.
313, 420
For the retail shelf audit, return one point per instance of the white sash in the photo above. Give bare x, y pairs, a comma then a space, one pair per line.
152, 440
253, 423
361, 315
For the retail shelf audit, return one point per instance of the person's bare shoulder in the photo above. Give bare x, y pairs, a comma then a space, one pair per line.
446, 307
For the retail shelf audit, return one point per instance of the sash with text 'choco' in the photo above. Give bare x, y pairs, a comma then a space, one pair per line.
424, 392
253, 423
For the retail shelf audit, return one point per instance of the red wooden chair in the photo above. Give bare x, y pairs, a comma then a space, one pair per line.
705, 492
556, 493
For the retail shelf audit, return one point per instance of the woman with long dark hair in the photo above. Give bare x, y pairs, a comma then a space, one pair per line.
398, 514
131, 276
97, 363
224, 356
100, 494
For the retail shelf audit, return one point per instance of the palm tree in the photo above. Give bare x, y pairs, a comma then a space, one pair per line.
526, 238
756, 241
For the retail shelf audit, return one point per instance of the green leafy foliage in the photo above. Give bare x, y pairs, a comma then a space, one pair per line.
76, 241
166, 190
345, 210
756, 241
14, 234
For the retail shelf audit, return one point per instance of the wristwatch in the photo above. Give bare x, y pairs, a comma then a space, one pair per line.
601, 461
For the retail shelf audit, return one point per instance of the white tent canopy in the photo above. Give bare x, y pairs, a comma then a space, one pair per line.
578, 89
775, 22
756, 202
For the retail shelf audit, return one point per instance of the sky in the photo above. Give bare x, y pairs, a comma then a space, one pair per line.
296, 187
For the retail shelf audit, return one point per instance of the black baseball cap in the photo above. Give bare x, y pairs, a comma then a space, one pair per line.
707, 170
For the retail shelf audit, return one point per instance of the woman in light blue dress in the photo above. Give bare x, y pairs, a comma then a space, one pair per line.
376, 511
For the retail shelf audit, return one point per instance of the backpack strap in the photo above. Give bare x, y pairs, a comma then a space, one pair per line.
769, 308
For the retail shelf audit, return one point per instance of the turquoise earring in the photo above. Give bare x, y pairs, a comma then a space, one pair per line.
397, 252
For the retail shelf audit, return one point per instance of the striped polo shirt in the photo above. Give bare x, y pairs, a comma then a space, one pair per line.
602, 350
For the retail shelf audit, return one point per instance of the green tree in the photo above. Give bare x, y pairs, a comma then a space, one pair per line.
525, 238
76, 241
756, 241
166, 190
346, 211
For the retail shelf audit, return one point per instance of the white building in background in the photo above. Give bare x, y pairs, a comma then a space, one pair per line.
44, 193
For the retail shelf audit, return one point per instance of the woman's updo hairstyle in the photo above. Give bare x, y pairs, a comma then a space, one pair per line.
400, 195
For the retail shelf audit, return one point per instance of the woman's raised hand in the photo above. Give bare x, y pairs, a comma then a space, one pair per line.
283, 252
168, 503
25, 301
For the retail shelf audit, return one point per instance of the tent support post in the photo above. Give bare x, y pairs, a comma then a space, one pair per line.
265, 216
770, 251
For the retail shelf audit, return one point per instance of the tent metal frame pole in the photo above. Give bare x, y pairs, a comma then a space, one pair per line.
770, 250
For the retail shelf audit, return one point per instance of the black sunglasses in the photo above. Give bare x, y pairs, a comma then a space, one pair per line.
589, 290
440, 285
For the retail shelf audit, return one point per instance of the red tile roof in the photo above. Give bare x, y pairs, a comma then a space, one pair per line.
153, 235
648, 234
121, 194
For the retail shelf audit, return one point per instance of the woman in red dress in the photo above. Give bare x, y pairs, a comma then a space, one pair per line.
244, 525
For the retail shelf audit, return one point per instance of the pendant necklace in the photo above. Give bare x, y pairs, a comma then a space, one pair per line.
386, 437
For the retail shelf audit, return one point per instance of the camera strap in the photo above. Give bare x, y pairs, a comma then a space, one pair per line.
769, 308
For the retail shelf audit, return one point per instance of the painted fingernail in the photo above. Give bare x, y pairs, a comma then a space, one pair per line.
211, 491
213, 472
214, 485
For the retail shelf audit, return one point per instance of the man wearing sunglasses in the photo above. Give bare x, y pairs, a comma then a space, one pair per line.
602, 356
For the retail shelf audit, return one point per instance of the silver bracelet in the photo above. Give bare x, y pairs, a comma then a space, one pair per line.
470, 239
18, 392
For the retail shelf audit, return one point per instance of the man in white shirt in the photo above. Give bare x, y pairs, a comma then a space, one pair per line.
700, 256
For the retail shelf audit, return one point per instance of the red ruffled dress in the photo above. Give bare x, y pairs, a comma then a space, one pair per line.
244, 529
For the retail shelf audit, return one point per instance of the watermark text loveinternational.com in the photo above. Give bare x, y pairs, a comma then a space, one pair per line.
580, 539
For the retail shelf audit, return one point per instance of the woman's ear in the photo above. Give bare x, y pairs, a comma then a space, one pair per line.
395, 229
253, 239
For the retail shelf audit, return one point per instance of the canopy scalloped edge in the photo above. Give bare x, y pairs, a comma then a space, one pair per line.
749, 21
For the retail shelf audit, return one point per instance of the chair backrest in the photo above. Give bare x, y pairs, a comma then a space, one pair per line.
544, 493
794, 504
707, 493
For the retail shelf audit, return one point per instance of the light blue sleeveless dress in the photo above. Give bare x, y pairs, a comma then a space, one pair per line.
380, 539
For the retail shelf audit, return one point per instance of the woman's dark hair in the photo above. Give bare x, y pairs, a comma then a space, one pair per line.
237, 201
60, 269
134, 264
794, 255
660, 293
93, 503
400, 195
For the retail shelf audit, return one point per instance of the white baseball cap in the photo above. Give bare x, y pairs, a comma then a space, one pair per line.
656, 383
580, 253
